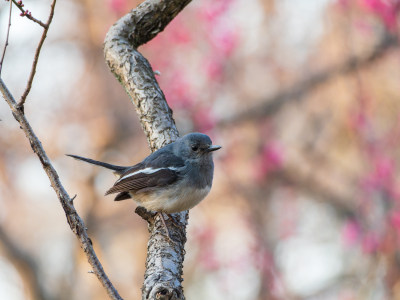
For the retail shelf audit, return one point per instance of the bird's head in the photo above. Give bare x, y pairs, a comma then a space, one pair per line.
195, 146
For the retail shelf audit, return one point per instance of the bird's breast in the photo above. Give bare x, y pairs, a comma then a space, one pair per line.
172, 200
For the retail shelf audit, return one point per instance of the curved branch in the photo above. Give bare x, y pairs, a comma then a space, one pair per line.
74, 221
164, 259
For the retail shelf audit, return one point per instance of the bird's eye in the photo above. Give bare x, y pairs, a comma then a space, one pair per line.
195, 147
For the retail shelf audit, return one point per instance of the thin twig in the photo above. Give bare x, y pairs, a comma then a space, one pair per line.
8, 33
36, 58
74, 220
27, 14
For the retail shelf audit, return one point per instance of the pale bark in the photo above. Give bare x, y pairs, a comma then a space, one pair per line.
164, 261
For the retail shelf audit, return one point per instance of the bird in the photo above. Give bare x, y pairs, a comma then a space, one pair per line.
172, 179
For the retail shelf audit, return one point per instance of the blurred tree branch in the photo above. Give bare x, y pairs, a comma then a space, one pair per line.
25, 264
164, 261
273, 103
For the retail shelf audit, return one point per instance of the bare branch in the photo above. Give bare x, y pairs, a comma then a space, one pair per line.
272, 104
25, 264
164, 261
26, 13
6, 44
74, 220
36, 58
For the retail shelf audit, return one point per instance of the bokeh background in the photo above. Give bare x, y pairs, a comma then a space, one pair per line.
303, 96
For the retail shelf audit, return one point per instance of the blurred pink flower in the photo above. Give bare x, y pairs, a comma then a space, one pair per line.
273, 154
387, 10
351, 232
210, 12
225, 40
118, 6
205, 237
270, 159
204, 119
178, 91
381, 177
178, 32
384, 169
370, 243
394, 220
358, 121
213, 69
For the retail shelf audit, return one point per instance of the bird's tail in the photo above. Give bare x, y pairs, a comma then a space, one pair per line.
117, 169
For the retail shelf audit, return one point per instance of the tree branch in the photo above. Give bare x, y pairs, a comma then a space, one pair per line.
272, 104
8, 33
25, 264
164, 261
74, 221
37, 53
26, 13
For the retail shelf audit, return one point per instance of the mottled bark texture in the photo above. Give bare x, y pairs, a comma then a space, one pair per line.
164, 261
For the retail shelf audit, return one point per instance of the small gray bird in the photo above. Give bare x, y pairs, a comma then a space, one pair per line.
172, 179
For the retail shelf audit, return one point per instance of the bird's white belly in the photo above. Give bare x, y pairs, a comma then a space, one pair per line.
171, 200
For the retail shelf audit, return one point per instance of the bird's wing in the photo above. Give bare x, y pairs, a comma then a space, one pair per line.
144, 180
162, 158
159, 169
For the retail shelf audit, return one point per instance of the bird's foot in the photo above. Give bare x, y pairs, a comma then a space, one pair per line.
165, 226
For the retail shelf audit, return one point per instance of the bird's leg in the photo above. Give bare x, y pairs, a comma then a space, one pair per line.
165, 225
175, 222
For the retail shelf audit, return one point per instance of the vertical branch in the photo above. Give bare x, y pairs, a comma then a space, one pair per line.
36, 58
164, 261
6, 44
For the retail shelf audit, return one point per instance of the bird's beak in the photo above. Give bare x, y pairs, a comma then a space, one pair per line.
213, 148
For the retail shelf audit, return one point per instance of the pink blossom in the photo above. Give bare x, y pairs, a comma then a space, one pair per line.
382, 175
207, 256
118, 6
204, 119
343, 3
178, 32
178, 91
225, 41
395, 220
213, 69
270, 159
384, 169
213, 10
273, 154
386, 10
358, 121
351, 232
370, 243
